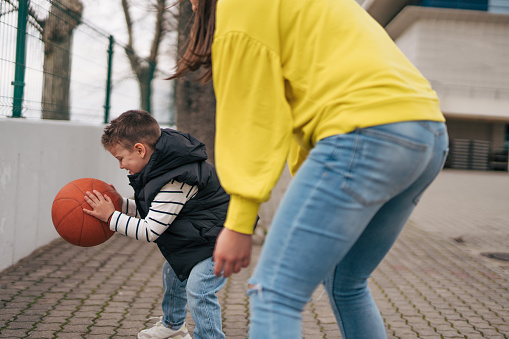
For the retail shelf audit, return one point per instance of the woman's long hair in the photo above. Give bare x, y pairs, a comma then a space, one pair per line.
199, 44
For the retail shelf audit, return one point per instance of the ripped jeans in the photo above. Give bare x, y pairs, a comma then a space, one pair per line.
338, 219
199, 290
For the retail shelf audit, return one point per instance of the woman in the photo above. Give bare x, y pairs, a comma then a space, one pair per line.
320, 83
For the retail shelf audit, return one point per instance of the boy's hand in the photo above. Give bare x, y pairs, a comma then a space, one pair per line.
232, 252
102, 206
115, 192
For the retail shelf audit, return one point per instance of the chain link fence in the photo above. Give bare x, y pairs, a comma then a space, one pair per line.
54, 63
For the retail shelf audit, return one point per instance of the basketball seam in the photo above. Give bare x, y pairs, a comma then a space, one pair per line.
65, 216
83, 221
102, 228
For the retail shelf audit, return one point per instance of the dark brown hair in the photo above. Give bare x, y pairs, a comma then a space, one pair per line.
199, 44
130, 128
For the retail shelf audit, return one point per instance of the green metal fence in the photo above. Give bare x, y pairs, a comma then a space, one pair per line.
101, 82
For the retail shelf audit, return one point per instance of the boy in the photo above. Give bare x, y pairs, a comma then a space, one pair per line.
180, 205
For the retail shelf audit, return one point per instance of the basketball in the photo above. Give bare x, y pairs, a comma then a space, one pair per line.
74, 225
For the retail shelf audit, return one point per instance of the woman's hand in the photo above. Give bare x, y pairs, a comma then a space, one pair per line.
102, 206
232, 252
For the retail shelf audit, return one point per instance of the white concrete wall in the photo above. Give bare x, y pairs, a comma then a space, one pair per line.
464, 54
37, 158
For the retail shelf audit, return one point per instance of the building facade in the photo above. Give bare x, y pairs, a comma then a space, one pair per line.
462, 48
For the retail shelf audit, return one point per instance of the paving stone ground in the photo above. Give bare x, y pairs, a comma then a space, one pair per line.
435, 282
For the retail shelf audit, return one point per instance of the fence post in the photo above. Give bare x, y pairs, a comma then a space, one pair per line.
19, 75
108, 81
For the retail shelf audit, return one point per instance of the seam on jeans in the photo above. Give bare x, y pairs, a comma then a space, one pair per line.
209, 313
172, 293
332, 156
293, 227
436, 132
348, 173
397, 139
203, 292
332, 300
425, 125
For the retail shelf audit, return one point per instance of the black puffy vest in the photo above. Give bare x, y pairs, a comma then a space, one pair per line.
192, 235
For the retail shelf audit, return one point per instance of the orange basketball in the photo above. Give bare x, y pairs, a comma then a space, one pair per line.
74, 225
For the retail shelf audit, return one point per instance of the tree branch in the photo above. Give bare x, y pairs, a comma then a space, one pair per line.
131, 54
159, 30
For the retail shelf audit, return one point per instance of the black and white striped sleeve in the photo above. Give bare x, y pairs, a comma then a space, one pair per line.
129, 208
164, 209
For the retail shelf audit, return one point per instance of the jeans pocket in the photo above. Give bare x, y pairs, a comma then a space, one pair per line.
383, 164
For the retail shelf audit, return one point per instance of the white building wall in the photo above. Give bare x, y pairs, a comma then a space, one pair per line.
464, 54
499, 6
37, 158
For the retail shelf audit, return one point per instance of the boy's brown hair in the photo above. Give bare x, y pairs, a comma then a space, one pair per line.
130, 128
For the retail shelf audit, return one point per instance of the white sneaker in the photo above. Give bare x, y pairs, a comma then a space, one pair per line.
159, 331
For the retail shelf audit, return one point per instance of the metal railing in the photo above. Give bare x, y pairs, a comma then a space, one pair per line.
497, 6
100, 81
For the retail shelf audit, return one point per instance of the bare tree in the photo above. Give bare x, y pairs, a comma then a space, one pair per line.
195, 103
63, 18
144, 68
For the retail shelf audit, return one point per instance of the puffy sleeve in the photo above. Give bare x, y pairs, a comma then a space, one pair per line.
253, 124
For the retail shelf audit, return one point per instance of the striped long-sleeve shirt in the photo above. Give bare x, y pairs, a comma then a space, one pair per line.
164, 209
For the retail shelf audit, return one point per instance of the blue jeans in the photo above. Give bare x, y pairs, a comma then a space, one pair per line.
200, 291
340, 216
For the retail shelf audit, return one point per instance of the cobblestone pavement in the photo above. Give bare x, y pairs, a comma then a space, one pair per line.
435, 282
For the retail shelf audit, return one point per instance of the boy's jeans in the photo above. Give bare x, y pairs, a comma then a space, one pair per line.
340, 216
200, 291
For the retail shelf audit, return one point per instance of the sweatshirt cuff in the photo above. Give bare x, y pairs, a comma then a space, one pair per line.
242, 215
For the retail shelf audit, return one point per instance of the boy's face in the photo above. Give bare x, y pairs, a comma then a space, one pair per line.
132, 160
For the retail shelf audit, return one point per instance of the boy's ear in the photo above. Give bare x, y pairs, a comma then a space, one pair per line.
140, 149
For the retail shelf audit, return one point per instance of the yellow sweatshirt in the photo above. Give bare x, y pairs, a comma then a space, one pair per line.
292, 72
